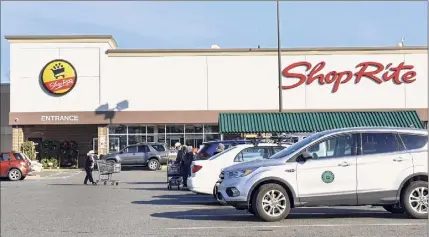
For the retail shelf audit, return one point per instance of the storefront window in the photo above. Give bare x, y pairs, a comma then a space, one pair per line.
211, 128
136, 129
134, 139
190, 134
118, 129
117, 142
161, 129
150, 129
151, 139
194, 140
171, 139
175, 128
198, 128
211, 137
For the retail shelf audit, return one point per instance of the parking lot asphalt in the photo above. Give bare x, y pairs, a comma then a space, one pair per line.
141, 205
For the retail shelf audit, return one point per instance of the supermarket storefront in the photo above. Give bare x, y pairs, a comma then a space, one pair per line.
85, 89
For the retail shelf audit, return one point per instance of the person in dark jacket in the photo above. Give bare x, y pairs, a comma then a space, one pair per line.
89, 166
186, 167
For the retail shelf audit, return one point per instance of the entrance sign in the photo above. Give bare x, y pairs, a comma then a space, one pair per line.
374, 71
71, 118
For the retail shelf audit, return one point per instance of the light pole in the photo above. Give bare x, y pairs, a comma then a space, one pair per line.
279, 59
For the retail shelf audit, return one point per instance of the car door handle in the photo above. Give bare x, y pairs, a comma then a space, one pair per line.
398, 159
344, 164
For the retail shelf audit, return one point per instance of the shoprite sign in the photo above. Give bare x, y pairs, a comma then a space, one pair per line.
374, 71
58, 77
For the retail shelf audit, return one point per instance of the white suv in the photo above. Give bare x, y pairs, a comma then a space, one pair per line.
354, 166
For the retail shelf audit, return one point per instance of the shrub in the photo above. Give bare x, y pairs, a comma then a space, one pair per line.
28, 149
47, 161
54, 162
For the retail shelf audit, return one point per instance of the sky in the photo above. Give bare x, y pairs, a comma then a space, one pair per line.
193, 24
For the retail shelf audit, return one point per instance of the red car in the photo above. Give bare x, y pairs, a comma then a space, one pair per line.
14, 166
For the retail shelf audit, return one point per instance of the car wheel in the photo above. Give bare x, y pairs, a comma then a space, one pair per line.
153, 164
271, 203
394, 208
14, 174
415, 200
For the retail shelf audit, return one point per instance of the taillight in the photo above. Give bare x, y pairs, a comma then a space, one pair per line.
196, 168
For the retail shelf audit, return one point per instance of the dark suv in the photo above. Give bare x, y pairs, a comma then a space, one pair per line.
151, 155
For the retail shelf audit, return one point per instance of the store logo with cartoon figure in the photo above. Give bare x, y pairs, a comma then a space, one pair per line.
58, 77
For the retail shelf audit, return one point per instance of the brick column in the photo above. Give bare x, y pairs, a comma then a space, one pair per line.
103, 140
17, 138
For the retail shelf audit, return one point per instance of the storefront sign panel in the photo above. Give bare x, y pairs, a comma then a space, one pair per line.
374, 71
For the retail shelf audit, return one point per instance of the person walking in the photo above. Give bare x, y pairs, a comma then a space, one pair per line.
89, 167
187, 161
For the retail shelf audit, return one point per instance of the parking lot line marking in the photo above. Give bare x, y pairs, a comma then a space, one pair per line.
294, 226
292, 214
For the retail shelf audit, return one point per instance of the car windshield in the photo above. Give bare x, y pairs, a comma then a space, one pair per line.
219, 154
297, 146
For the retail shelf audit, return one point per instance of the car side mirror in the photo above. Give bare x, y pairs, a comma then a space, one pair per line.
305, 156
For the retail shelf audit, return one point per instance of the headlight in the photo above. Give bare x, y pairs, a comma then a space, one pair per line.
238, 173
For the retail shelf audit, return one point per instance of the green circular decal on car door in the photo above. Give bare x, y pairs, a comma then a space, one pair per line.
328, 177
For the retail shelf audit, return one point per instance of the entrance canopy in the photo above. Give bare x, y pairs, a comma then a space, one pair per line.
293, 122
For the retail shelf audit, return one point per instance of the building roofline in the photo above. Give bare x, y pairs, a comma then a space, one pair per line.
259, 51
63, 39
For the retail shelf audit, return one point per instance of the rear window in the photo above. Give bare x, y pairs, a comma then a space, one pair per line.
201, 148
5, 157
158, 147
221, 153
19, 156
204, 148
412, 142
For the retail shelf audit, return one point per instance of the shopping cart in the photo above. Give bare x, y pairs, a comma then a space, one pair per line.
174, 176
106, 171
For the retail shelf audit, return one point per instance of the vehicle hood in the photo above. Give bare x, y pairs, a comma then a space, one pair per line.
254, 163
112, 154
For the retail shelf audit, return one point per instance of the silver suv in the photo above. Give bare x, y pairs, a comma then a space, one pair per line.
385, 167
151, 155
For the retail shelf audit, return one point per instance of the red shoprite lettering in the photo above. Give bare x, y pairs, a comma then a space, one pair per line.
60, 84
370, 70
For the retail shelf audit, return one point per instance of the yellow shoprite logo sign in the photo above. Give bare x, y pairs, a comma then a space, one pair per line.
58, 77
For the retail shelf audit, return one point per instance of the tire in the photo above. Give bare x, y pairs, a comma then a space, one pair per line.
23, 177
153, 164
14, 174
394, 209
411, 201
276, 191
